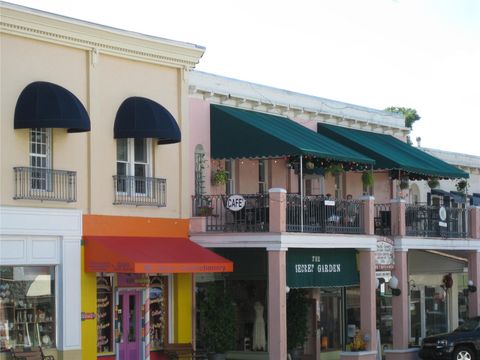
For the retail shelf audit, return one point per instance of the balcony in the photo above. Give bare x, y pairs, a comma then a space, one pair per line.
428, 221
45, 184
253, 217
139, 191
321, 215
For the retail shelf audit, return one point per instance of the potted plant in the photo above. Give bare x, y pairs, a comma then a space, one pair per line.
433, 183
297, 310
219, 176
217, 316
205, 210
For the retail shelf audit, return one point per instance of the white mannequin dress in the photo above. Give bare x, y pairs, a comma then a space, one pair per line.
259, 343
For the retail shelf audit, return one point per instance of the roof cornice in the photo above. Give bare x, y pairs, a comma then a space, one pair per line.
237, 93
44, 26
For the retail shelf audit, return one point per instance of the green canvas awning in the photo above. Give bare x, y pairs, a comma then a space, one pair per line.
237, 133
315, 268
391, 153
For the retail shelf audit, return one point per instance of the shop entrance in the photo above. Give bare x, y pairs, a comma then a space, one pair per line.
428, 312
332, 320
129, 316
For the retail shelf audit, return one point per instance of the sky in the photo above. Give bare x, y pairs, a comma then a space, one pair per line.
422, 54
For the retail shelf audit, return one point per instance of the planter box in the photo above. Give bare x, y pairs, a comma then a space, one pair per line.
354, 355
403, 354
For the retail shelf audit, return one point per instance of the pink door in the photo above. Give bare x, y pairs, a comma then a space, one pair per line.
129, 317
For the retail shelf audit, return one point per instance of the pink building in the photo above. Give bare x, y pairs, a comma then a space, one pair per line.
282, 186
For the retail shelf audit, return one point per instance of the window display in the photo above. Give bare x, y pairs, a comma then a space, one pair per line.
104, 315
158, 311
27, 306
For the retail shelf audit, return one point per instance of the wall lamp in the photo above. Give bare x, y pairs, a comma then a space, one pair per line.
471, 288
393, 283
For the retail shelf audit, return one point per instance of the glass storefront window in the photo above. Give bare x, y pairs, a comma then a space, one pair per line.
27, 306
104, 315
158, 311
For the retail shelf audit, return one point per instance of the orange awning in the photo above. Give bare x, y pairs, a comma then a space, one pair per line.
150, 255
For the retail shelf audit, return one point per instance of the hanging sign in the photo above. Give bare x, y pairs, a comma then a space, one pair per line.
133, 280
442, 213
384, 259
235, 202
321, 268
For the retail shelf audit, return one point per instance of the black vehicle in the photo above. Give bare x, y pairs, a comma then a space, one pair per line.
461, 344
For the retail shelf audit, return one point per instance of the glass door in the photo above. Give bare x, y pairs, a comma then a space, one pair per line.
129, 319
332, 315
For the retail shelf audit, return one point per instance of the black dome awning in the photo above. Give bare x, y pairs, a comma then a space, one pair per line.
45, 105
139, 117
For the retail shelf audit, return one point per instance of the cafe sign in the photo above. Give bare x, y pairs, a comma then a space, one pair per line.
316, 268
384, 256
235, 202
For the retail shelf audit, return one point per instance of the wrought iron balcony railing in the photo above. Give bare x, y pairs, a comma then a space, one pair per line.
426, 221
254, 217
45, 184
139, 191
320, 215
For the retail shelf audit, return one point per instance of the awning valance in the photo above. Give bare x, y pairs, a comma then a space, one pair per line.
141, 118
391, 153
45, 105
238, 133
150, 255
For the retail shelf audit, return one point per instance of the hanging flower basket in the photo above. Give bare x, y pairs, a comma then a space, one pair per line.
367, 179
309, 165
433, 183
219, 177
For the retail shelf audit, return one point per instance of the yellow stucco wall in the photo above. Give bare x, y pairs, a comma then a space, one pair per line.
23, 62
89, 305
183, 308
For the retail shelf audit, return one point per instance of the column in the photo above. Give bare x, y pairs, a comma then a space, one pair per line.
398, 217
368, 322
474, 276
69, 295
368, 203
400, 305
277, 210
277, 305
475, 222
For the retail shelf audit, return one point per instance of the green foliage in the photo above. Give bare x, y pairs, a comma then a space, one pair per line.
410, 114
334, 169
217, 314
297, 310
433, 183
219, 177
462, 186
367, 178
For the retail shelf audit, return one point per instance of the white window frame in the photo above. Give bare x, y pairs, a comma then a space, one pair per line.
230, 184
39, 155
263, 185
131, 166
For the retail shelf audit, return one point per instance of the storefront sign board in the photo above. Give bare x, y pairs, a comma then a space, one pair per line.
384, 256
315, 268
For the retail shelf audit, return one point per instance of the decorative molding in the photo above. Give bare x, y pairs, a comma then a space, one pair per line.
283, 241
40, 221
286, 103
38, 25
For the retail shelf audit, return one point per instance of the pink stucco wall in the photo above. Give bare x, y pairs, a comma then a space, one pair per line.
246, 170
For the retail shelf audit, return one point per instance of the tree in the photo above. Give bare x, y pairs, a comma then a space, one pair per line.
410, 114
